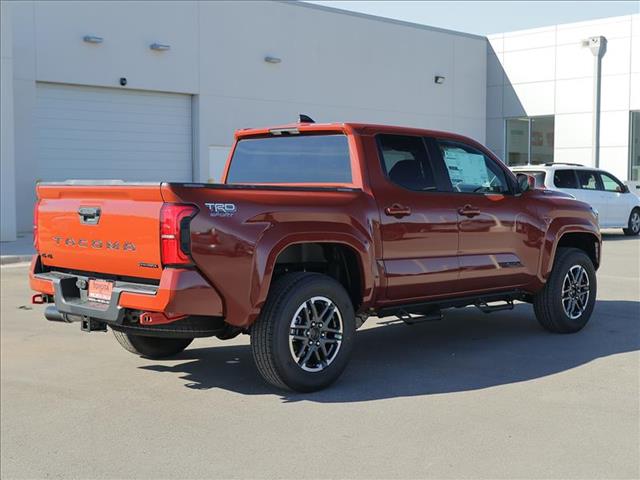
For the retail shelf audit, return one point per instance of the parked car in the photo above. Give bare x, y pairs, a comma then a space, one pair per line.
617, 207
314, 228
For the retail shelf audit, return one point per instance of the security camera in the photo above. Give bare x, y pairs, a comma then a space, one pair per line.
123, 81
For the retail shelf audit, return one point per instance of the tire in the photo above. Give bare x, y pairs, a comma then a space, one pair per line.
151, 347
279, 356
633, 226
549, 307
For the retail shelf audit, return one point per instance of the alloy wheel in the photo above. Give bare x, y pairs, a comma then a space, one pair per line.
315, 334
575, 292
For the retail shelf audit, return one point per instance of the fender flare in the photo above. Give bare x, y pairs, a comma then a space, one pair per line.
267, 254
554, 234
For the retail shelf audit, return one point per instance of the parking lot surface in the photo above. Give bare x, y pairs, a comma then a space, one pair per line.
474, 395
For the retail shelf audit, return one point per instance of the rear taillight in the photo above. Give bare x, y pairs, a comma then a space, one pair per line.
175, 242
35, 225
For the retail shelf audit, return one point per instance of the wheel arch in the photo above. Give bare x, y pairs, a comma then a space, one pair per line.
352, 260
583, 239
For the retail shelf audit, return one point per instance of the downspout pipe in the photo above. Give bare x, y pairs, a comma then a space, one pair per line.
598, 47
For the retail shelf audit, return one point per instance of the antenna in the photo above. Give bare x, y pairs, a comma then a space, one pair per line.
302, 118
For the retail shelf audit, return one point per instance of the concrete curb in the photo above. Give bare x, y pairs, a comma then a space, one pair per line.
11, 259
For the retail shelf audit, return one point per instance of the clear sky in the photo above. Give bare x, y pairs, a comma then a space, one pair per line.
489, 17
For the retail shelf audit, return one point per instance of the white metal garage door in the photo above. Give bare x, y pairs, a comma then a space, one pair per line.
105, 133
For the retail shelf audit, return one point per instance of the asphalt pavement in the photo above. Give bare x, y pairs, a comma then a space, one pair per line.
471, 396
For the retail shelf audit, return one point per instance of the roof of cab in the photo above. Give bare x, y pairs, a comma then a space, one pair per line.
346, 127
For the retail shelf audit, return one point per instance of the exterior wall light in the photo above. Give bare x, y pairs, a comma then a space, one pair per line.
272, 59
160, 47
439, 79
92, 39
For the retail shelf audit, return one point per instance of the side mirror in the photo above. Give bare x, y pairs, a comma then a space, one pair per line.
623, 189
525, 182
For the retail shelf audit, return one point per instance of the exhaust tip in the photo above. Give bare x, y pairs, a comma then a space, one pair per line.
52, 314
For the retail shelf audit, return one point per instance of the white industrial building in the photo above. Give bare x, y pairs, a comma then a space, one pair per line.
154, 90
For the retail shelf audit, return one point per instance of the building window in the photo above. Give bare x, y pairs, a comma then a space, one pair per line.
530, 140
634, 147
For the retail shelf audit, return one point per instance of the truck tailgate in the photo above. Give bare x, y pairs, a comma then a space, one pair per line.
106, 228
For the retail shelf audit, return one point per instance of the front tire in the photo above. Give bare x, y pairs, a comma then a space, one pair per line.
633, 226
567, 300
151, 347
304, 336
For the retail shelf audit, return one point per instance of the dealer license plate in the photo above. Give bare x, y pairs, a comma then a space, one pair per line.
100, 290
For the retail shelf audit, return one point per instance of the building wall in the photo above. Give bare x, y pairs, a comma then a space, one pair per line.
335, 67
547, 71
7, 157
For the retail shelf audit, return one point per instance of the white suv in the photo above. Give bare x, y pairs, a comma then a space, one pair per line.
617, 207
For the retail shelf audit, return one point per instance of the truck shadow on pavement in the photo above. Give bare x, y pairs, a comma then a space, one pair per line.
468, 350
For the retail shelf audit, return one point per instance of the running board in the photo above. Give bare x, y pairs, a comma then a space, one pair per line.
484, 307
428, 317
419, 308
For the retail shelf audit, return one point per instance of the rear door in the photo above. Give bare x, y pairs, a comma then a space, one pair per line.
592, 192
499, 238
565, 180
418, 221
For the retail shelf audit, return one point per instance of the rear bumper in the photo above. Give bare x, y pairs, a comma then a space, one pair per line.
180, 291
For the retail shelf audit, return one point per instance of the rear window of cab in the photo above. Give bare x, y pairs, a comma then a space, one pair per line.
292, 159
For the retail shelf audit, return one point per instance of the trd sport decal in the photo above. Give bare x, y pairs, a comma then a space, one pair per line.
221, 209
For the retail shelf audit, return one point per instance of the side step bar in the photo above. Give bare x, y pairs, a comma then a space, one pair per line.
427, 317
429, 309
484, 307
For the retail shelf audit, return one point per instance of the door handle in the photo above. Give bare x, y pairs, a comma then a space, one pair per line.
469, 211
397, 210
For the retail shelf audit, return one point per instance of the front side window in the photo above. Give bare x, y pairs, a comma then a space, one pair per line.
291, 159
588, 180
565, 179
406, 162
470, 171
610, 184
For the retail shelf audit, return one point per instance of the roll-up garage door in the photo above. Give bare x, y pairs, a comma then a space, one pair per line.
104, 133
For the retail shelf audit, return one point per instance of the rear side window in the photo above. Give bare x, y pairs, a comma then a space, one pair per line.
537, 176
406, 163
565, 179
291, 159
588, 180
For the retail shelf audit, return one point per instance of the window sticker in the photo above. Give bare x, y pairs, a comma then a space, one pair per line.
465, 167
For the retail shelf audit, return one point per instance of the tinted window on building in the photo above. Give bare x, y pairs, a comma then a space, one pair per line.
565, 179
406, 163
292, 159
530, 140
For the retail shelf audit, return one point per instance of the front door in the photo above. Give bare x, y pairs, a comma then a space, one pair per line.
499, 237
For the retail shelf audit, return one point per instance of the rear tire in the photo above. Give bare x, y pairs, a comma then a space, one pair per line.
633, 226
151, 347
567, 300
295, 346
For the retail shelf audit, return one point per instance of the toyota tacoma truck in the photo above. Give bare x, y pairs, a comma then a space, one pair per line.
313, 228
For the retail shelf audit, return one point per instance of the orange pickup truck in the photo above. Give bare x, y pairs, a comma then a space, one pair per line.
314, 228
